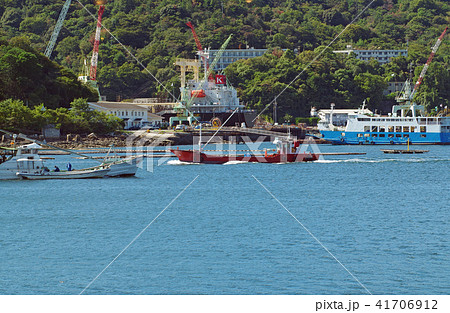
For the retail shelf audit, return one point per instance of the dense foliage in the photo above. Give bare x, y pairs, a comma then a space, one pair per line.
156, 33
29, 76
79, 119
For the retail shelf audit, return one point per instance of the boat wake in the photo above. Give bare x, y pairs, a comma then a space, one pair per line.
421, 160
178, 162
236, 162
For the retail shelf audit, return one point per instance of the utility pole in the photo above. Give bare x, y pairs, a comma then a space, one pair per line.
275, 117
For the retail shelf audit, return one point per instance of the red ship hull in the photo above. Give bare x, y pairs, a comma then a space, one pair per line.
197, 157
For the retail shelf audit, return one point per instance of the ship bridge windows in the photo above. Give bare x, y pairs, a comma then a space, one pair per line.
363, 119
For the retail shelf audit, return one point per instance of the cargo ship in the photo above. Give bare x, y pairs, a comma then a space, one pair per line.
211, 100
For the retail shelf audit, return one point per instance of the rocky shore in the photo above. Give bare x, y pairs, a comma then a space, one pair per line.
153, 138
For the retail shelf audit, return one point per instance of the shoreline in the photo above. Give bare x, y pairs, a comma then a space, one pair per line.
155, 138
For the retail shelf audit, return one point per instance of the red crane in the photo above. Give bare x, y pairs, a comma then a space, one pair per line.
197, 42
425, 67
94, 60
199, 45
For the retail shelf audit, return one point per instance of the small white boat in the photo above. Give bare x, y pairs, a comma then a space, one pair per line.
77, 174
31, 166
25, 163
121, 166
124, 167
10, 166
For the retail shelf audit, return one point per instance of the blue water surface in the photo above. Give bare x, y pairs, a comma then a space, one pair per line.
385, 218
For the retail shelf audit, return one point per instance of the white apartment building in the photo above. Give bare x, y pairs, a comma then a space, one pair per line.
382, 56
232, 55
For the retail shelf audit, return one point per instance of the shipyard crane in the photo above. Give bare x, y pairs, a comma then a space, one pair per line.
425, 67
219, 55
213, 64
59, 23
197, 41
94, 59
200, 52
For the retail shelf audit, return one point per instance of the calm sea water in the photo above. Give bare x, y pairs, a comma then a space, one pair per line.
384, 217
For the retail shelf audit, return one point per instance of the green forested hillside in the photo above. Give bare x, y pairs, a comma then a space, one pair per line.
156, 33
29, 76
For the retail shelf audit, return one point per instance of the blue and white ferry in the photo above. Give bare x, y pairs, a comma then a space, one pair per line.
407, 122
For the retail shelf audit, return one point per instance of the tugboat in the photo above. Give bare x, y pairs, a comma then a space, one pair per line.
288, 150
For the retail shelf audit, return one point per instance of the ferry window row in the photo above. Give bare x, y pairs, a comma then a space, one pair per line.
421, 120
388, 135
394, 129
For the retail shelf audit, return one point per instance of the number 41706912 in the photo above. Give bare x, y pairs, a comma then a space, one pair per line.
407, 304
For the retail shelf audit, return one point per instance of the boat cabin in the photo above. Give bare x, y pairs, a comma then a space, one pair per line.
30, 165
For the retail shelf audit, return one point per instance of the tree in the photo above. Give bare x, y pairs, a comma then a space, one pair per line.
15, 116
288, 118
